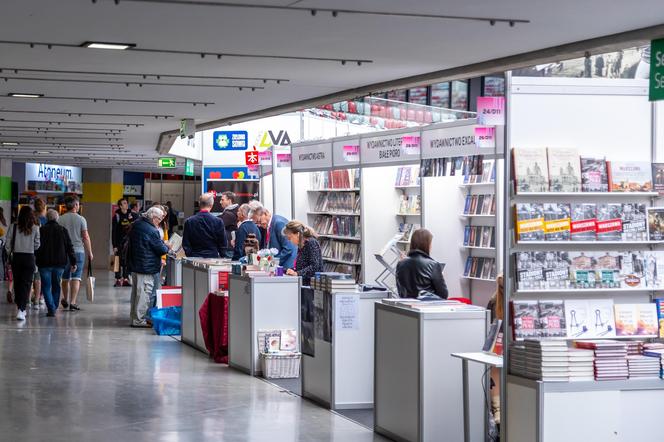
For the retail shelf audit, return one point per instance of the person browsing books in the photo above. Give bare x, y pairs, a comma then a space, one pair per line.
418, 272
309, 258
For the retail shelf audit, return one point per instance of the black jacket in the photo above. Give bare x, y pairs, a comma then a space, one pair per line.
145, 248
121, 223
229, 217
419, 272
55, 249
241, 234
309, 260
204, 236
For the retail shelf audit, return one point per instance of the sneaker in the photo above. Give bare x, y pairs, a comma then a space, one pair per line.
35, 305
73, 307
64, 303
20, 316
42, 301
118, 283
126, 283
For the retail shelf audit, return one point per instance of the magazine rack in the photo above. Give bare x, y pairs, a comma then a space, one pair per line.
389, 257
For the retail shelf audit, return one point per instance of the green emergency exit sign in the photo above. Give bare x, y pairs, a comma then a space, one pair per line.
657, 70
189, 167
167, 162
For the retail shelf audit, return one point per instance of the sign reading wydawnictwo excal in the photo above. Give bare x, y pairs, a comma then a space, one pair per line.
452, 141
657, 70
230, 140
386, 149
346, 152
311, 156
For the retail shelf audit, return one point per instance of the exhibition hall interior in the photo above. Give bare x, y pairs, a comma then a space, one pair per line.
308, 220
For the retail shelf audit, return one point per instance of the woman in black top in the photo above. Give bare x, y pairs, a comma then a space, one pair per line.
309, 259
418, 272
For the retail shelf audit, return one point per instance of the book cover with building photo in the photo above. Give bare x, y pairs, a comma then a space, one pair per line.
594, 175
608, 270
564, 170
584, 222
556, 270
609, 222
630, 176
656, 223
633, 269
582, 270
529, 222
634, 222
556, 221
531, 171
530, 270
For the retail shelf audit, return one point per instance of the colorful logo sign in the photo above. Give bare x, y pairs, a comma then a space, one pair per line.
230, 140
251, 158
269, 138
225, 173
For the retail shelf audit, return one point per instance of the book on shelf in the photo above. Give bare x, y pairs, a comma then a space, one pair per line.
656, 223
659, 305
409, 204
530, 170
341, 251
338, 202
584, 222
530, 270
435, 167
408, 176
335, 179
630, 176
639, 320
529, 221
590, 318
288, 340
407, 230
594, 175
525, 315
658, 177
480, 268
556, 221
634, 222
609, 222
338, 225
492, 337
564, 170
551, 318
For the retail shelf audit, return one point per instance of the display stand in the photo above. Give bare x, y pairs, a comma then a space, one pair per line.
173, 271
339, 374
259, 303
200, 277
417, 383
578, 113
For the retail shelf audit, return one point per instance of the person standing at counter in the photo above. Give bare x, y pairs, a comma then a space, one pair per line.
204, 234
418, 272
309, 260
229, 217
275, 239
245, 227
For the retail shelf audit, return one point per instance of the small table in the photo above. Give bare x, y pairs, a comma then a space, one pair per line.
481, 358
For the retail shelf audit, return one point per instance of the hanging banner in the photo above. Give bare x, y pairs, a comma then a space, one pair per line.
453, 141
283, 160
388, 149
485, 137
312, 156
491, 111
346, 152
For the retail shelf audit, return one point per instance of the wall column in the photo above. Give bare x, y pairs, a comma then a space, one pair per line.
102, 188
6, 188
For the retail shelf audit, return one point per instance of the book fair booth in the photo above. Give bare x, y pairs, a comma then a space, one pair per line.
554, 190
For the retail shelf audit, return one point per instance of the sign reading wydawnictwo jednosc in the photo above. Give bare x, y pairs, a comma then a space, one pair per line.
657, 70
396, 148
311, 156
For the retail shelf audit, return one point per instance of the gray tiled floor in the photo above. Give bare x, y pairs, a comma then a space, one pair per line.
87, 376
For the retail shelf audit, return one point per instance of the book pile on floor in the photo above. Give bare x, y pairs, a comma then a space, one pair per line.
610, 359
581, 365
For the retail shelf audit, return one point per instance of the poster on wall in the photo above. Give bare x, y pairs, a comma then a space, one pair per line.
133, 190
244, 190
42, 177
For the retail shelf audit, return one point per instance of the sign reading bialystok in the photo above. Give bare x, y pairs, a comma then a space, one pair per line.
657, 70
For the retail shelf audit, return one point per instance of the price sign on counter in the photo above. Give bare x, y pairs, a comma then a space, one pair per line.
491, 111
485, 137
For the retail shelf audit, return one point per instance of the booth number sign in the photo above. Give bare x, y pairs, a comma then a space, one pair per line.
657, 70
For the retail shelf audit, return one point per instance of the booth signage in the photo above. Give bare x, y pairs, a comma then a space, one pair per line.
270, 138
448, 142
391, 149
167, 163
346, 152
52, 177
352, 153
312, 156
253, 172
283, 160
491, 111
265, 158
251, 158
230, 140
657, 70
189, 167
485, 137
133, 190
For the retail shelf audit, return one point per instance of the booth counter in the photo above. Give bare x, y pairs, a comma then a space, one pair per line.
173, 271
337, 367
200, 277
259, 303
418, 386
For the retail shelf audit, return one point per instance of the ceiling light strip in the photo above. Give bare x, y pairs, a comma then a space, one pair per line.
69, 130
85, 114
119, 100
132, 83
59, 123
109, 138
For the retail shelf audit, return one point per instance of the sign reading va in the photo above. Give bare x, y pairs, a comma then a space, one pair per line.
657, 70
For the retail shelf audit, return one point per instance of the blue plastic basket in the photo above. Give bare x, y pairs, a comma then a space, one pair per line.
166, 321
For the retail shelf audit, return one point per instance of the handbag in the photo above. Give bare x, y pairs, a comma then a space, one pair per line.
90, 283
116, 263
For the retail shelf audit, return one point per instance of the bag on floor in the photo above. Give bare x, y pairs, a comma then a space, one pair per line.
90, 283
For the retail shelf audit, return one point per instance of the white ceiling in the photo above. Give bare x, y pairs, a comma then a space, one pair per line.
398, 46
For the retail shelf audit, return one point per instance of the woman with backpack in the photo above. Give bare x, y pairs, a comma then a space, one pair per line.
22, 242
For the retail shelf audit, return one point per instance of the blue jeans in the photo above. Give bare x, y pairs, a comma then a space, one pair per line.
51, 278
80, 261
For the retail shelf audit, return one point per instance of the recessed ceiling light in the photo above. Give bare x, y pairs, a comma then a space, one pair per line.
24, 95
104, 45
9, 143
41, 152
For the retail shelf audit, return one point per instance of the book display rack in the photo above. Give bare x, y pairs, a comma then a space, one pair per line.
409, 213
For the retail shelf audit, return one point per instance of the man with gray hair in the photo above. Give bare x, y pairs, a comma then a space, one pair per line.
144, 258
246, 227
204, 234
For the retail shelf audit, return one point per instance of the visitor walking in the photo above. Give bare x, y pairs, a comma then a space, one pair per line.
122, 220
77, 227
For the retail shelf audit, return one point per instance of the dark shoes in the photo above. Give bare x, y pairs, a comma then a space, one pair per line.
118, 283
64, 303
50, 313
126, 283
73, 307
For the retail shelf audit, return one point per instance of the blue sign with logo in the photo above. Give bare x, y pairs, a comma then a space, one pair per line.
230, 140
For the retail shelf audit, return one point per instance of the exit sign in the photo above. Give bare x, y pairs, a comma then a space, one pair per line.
189, 167
657, 70
167, 163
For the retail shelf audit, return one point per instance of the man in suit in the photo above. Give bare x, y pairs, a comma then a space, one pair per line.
204, 234
275, 239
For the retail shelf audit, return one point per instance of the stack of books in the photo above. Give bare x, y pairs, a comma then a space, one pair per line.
634, 348
581, 366
518, 359
610, 359
655, 350
547, 361
338, 282
642, 367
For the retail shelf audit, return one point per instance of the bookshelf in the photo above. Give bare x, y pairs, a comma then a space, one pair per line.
409, 213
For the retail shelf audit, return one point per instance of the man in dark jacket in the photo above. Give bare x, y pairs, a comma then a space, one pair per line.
122, 219
246, 227
55, 252
275, 239
204, 234
172, 219
229, 217
145, 250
